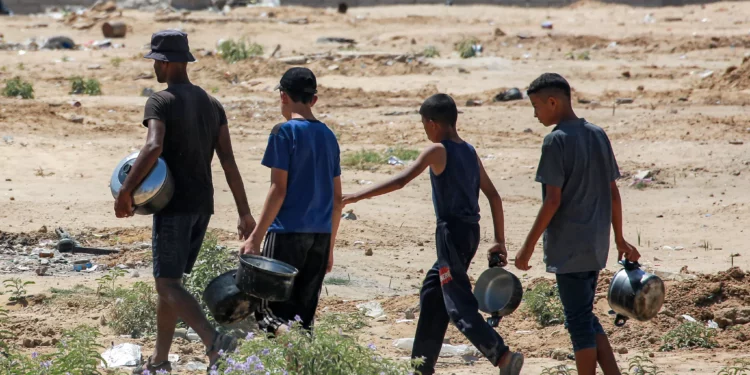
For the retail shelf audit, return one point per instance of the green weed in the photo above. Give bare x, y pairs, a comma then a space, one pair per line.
232, 51
559, 370
297, 352
642, 365
116, 61
5, 335
404, 154
363, 160
334, 280
17, 288
76, 289
108, 283
90, 87
689, 335
430, 52
737, 367
134, 311
543, 303
465, 48
347, 322
17, 87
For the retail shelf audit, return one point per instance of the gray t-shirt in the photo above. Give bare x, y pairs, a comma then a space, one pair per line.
577, 157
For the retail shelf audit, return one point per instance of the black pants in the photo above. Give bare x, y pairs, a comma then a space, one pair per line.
308, 252
446, 296
176, 241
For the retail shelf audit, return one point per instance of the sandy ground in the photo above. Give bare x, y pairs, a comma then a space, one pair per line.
687, 129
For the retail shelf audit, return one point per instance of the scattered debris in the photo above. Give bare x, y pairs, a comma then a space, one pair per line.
672, 19
626, 74
333, 67
342, 8
447, 350
624, 101
373, 309
125, 354
473, 103
328, 39
59, 42
144, 75
368, 252
114, 29
349, 215
547, 25
499, 32
400, 113
509, 95
76, 119
41, 271
294, 60
94, 67
732, 316
528, 130
736, 142
394, 161
191, 335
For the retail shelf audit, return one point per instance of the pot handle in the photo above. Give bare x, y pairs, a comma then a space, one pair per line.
495, 261
620, 320
630, 266
494, 320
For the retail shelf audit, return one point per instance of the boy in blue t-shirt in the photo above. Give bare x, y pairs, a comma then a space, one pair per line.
578, 172
303, 208
456, 176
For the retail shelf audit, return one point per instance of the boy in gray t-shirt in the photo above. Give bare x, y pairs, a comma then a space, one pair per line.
577, 170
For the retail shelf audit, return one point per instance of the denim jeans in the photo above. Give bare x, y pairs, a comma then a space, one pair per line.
577, 292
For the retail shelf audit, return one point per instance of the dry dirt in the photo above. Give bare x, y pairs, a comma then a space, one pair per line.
687, 123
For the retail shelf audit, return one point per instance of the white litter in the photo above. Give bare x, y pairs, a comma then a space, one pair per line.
126, 354
689, 318
447, 350
395, 161
713, 325
372, 309
404, 320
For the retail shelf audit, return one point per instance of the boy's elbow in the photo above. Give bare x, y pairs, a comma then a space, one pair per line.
153, 147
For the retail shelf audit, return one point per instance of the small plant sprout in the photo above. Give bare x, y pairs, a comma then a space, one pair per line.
689, 335
108, 283
544, 305
431, 52
17, 288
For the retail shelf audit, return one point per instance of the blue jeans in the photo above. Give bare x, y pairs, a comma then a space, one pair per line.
577, 292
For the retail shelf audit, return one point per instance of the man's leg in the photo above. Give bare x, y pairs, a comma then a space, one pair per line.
432, 324
457, 243
577, 292
166, 321
605, 355
179, 299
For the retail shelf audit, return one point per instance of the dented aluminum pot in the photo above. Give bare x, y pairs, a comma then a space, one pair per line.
154, 192
635, 294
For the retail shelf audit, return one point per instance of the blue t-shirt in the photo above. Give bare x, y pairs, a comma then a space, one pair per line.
309, 152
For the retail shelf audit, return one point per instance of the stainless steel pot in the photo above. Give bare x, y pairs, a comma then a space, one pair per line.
498, 292
635, 294
153, 194
265, 278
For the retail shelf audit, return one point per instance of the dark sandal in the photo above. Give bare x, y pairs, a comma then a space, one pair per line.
152, 367
221, 343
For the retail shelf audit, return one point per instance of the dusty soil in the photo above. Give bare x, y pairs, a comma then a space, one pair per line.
688, 79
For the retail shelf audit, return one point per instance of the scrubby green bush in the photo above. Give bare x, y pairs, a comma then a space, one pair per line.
17, 87
543, 303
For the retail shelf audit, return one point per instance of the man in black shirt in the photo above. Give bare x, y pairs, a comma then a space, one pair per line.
185, 126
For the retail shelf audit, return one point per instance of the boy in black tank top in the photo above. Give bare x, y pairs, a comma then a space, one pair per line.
457, 175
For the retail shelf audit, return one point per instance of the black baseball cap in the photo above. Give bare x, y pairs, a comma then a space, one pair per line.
298, 81
170, 46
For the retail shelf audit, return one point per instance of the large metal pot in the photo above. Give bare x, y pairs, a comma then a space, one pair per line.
265, 278
498, 292
635, 294
153, 194
225, 301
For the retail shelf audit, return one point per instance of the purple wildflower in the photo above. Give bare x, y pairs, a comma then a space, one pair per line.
161, 372
34, 355
47, 364
289, 345
213, 372
146, 372
297, 319
265, 351
372, 346
250, 336
259, 366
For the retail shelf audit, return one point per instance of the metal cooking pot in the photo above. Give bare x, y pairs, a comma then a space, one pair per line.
153, 194
225, 301
265, 278
635, 294
498, 292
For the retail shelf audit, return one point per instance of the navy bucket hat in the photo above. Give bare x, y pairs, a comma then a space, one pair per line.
170, 46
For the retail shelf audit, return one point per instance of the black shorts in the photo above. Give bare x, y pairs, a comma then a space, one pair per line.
308, 252
176, 241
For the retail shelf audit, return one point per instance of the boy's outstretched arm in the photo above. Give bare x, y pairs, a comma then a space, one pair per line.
551, 203
274, 200
434, 155
498, 218
623, 247
338, 206
246, 222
